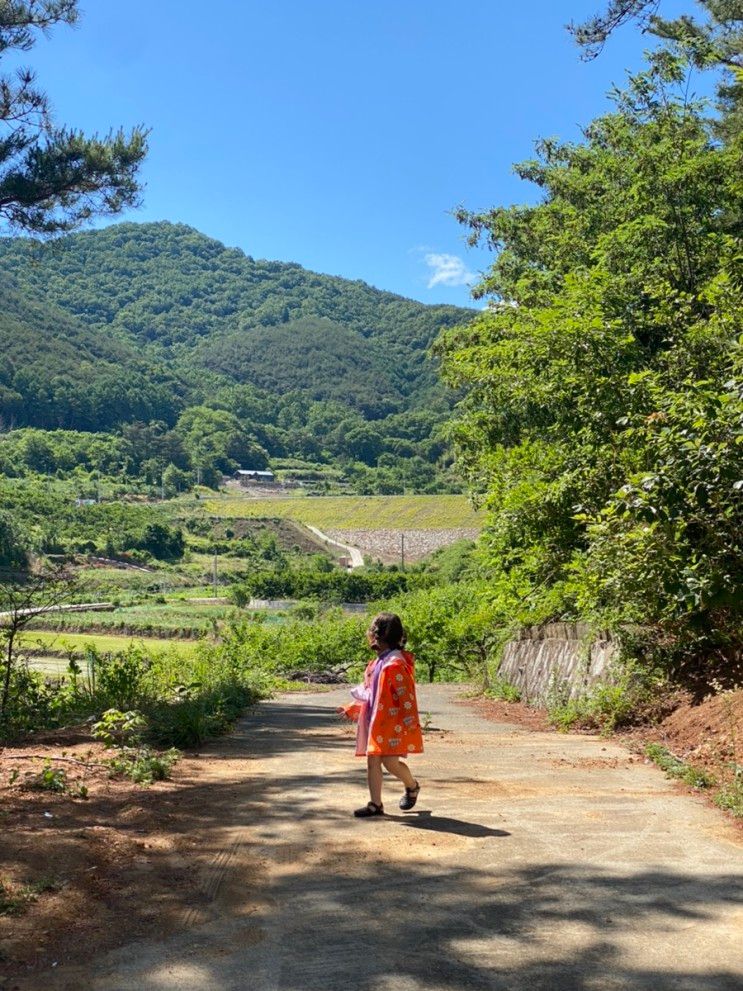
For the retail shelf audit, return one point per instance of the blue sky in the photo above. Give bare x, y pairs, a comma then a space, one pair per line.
334, 133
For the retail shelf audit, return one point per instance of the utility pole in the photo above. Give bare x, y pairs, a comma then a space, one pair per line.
162, 486
198, 475
214, 575
402, 551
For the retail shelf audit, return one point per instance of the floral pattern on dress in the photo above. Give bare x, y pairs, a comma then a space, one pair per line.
381, 731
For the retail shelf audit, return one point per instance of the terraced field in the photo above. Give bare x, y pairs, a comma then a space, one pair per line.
396, 513
174, 618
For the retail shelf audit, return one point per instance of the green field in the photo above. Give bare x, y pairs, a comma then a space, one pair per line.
408, 512
175, 618
58, 643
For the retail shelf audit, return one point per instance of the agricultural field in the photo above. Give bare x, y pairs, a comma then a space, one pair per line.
396, 513
388, 546
50, 652
51, 643
176, 618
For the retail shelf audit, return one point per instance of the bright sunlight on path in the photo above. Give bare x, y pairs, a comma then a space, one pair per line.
533, 861
357, 558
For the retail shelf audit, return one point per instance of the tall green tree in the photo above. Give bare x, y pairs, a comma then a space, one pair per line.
13, 547
52, 179
602, 408
216, 441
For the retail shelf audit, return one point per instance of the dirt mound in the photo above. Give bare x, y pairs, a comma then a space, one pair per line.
707, 734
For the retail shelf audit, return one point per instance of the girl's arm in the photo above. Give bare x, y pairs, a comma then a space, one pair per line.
350, 711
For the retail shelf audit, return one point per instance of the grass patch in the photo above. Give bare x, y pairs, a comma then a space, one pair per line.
16, 898
605, 707
502, 691
674, 767
51, 643
730, 795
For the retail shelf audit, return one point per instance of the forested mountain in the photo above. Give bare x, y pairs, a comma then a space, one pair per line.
57, 372
202, 358
188, 304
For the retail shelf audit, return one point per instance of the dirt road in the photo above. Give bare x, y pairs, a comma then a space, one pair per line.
533, 861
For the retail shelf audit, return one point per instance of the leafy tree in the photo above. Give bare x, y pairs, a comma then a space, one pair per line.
175, 480
13, 551
598, 427
52, 178
216, 440
158, 539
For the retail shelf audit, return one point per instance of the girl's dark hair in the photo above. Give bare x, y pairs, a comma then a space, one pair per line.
387, 627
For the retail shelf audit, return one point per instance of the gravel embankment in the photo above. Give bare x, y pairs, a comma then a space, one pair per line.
385, 544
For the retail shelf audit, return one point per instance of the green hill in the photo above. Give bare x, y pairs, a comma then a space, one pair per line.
180, 311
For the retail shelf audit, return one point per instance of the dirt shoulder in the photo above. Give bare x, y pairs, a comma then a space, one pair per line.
81, 874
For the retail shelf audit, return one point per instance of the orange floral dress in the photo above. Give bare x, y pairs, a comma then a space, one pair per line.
385, 708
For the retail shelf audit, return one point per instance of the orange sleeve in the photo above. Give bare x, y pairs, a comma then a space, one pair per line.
352, 710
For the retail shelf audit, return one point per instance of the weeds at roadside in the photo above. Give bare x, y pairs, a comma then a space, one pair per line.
184, 700
674, 767
730, 796
502, 691
606, 707
144, 765
49, 778
16, 898
730, 772
123, 731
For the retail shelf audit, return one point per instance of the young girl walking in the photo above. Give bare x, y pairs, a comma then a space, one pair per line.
386, 713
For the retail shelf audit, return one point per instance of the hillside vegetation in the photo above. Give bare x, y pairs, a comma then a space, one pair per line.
191, 359
416, 512
181, 297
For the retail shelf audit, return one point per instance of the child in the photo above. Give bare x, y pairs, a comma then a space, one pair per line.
386, 713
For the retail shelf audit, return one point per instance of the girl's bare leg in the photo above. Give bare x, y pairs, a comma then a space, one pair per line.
374, 777
395, 766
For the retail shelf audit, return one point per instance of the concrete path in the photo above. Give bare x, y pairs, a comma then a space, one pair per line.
354, 554
534, 862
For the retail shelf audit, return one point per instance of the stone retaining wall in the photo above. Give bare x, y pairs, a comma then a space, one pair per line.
572, 655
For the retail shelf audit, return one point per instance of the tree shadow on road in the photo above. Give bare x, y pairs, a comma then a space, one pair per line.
286, 892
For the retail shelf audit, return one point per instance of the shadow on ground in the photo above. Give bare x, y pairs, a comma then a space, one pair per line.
388, 915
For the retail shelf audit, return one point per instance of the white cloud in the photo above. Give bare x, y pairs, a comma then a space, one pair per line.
448, 270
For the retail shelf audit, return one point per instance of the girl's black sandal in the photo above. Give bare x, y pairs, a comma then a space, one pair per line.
410, 797
370, 809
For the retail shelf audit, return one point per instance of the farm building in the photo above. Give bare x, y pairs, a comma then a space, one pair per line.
249, 476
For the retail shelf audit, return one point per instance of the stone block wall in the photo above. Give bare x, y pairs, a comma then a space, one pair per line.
572, 655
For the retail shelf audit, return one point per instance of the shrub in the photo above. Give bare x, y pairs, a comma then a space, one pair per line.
676, 768
502, 690
182, 702
606, 706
